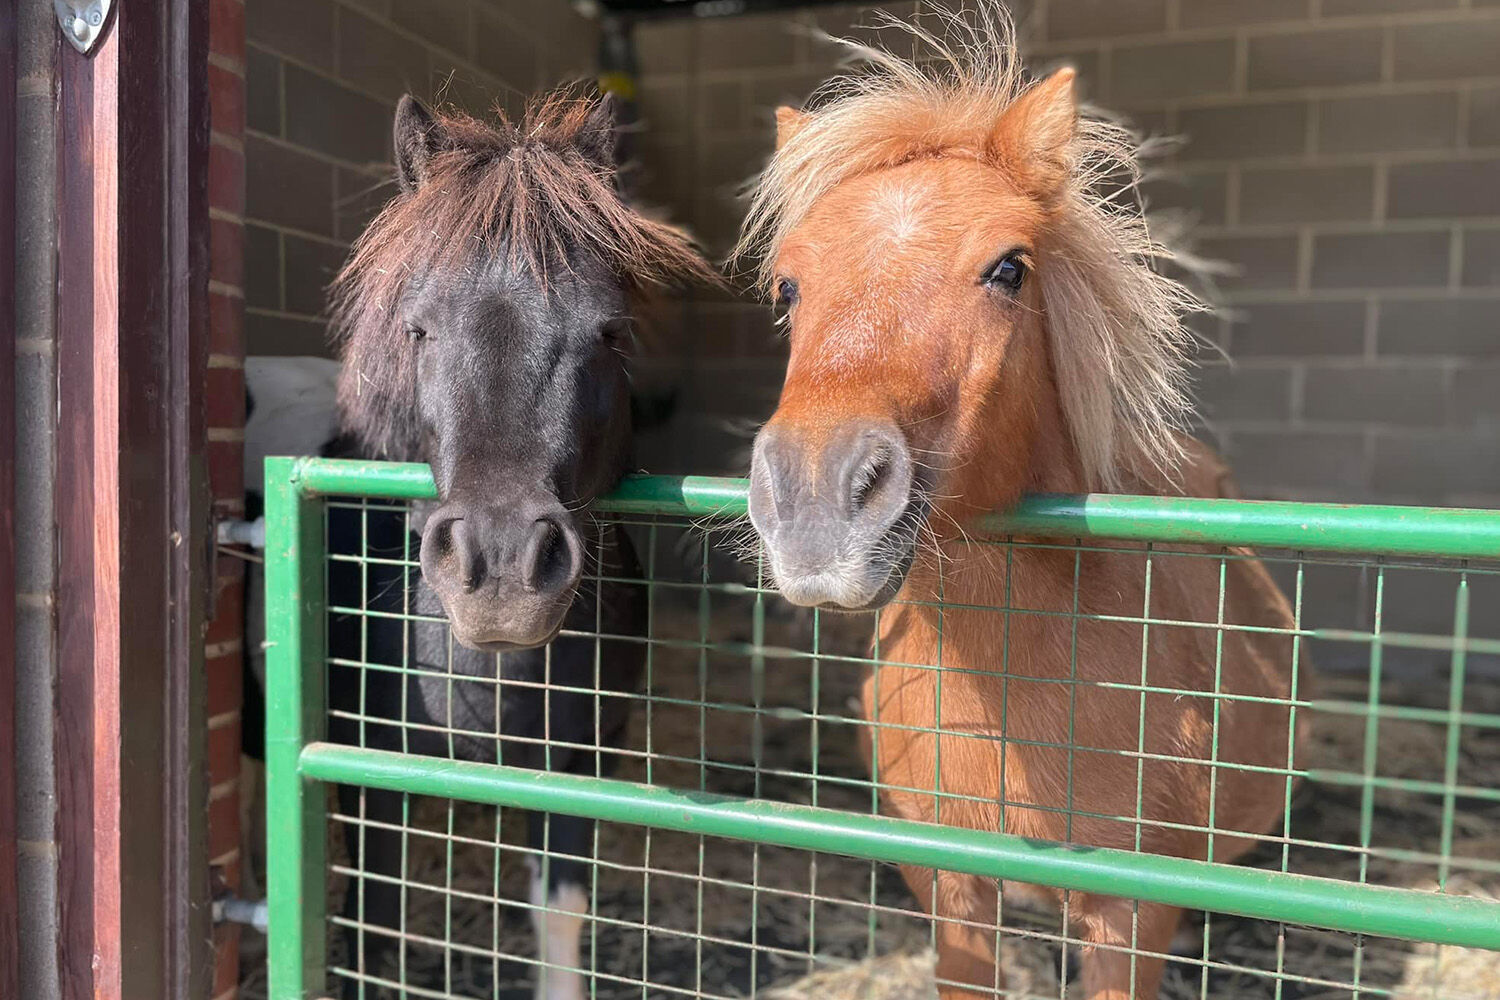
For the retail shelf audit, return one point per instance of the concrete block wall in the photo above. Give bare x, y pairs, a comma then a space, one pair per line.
1345, 154
323, 78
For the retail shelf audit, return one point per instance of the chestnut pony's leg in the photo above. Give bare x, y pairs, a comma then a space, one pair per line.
1115, 972
963, 908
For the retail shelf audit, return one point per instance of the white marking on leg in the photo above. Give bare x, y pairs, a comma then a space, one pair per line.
557, 929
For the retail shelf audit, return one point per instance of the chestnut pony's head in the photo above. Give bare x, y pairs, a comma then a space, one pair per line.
970, 314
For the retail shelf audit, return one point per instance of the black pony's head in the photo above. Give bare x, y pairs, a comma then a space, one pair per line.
485, 319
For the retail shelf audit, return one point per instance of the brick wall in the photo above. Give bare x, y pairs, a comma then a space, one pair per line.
224, 400
1344, 153
323, 80
37, 586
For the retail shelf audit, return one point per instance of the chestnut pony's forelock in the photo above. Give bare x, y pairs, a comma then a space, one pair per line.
1115, 323
527, 188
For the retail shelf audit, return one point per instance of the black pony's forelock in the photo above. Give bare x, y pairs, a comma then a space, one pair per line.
528, 188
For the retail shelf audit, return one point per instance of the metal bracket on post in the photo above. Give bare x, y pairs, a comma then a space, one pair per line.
82, 21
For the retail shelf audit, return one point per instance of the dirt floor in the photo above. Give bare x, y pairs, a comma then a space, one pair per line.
686, 916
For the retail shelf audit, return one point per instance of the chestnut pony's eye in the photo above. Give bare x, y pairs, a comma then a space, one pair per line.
1006, 274
786, 297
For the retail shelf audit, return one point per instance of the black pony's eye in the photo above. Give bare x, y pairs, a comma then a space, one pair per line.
415, 333
1007, 274
617, 331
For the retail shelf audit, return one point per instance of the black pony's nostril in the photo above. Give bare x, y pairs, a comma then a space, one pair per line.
470, 560
551, 560
451, 551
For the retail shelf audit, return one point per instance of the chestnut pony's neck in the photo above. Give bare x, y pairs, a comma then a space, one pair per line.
1016, 442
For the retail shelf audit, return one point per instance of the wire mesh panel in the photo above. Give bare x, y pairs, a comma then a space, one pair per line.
741, 849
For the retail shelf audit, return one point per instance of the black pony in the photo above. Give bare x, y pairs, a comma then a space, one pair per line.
485, 324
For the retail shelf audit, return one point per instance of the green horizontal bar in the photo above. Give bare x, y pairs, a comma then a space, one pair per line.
356, 477
692, 496
1326, 527
686, 496
1361, 909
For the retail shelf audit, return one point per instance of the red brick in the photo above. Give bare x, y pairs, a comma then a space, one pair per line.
229, 506
224, 684
225, 876
223, 754
229, 614
229, 575
231, 872
226, 30
226, 325
226, 472
230, 571
226, 252
223, 825
226, 102
224, 397
226, 179
227, 966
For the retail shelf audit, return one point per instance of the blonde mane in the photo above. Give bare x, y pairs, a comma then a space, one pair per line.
1118, 343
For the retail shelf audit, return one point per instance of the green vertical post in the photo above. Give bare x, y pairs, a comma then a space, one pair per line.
295, 715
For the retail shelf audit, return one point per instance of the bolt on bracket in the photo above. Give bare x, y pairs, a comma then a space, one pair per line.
82, 21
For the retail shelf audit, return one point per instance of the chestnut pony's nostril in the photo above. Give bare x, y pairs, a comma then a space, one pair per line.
871, 478
775, 464
552, 559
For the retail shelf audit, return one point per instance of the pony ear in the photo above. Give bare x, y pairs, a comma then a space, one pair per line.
596, 137
1032, 138
789, 122
418, 138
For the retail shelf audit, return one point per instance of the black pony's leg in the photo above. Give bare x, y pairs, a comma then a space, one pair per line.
559, 901
560, 877
372, 904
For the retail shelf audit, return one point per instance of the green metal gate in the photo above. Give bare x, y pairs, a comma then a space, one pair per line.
1392, 848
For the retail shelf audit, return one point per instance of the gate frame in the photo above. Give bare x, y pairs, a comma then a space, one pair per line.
300, 764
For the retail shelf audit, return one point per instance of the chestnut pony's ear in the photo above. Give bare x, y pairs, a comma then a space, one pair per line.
1032, 137
418, 138
789, 122
596, 137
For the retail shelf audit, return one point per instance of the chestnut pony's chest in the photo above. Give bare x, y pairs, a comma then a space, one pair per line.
1052, 695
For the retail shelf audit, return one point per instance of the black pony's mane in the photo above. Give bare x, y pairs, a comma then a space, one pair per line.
529, 186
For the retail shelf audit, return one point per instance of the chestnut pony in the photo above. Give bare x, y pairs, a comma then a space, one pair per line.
971, 318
